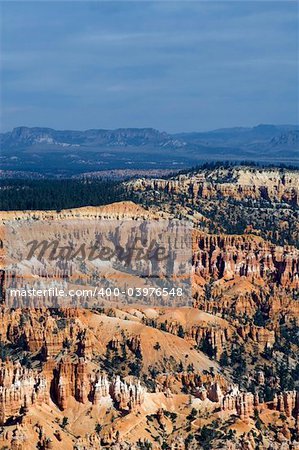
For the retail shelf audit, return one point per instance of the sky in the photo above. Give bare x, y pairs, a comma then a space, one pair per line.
171, 65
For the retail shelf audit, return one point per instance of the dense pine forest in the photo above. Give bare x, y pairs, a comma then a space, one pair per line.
57, 194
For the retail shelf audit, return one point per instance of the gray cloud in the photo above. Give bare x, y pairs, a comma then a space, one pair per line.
172, 65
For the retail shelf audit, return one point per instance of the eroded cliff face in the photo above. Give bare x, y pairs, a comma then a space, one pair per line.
124, 376
238, 183
70, 379
236, 200
26, 392
19, 388
288, 403
57, 383
227, 257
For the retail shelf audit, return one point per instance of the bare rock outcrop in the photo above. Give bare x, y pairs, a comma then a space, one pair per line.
19, 388
240, 403
244, 256
126, 395
287, 403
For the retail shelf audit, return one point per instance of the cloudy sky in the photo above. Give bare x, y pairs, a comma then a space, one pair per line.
172, 65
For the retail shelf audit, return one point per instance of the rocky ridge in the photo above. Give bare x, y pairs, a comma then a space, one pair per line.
131, 376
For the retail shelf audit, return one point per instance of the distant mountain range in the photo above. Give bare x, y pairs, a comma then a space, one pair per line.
49, 151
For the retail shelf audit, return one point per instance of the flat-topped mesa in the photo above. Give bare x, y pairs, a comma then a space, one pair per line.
19, 388
228, 256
